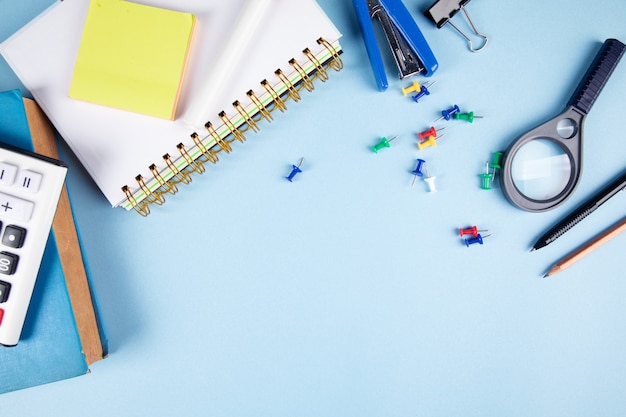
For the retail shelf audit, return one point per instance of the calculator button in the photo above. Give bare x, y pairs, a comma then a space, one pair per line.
1, 315
16, 208
8, 263
28, 180
7, 173
5, 287
13, 236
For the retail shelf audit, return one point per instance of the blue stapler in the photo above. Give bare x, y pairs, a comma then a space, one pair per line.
410, 50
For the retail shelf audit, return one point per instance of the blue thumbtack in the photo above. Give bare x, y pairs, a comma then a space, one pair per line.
423, 92
418, 170
447, 114
476, 239
295, 169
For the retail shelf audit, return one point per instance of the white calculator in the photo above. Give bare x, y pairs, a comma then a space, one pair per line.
30, 187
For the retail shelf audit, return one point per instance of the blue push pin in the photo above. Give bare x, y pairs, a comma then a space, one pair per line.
423, 92
447, 114
418, 170
476, 239
295, 169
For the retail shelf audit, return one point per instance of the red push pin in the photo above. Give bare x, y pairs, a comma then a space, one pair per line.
470, 231
428, 133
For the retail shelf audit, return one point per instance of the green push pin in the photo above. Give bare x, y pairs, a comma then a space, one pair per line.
468, 117
495, 164
384, 143
486, 177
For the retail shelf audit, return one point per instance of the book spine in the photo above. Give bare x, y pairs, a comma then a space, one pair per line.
216, 140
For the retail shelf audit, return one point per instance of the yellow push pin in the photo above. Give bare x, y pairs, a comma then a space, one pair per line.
412, 88
431, 141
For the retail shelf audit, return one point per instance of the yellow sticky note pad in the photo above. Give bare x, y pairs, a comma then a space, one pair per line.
133, 57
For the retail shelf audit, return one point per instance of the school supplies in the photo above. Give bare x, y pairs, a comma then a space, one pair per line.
587, 248
295, 170
408, 46
132, 57
542, 167
582, 211
135, 159
442, 12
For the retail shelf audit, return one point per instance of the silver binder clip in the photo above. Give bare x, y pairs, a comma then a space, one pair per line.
442, 11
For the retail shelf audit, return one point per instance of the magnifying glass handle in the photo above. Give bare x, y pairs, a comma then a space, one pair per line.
597, 75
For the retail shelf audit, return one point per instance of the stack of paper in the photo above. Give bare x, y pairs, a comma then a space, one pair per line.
133, 57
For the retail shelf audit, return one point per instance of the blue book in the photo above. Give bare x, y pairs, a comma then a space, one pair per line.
52, 347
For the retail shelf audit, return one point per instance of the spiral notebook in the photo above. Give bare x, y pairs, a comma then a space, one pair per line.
137, 160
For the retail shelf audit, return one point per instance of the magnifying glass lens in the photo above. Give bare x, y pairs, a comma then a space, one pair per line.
541, 169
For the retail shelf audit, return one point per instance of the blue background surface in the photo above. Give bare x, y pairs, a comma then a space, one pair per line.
347, 292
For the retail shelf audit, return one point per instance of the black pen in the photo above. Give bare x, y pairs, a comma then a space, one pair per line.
581, 212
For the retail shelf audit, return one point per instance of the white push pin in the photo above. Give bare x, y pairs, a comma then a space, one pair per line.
430, 181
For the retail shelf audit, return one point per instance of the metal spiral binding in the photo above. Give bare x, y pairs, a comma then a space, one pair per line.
249, 120
164, 186
155, 198
263, 111
321, 72
335, 62
179, 176
276, 100
142, 208
207, 155
196, 165
238, 133
306, 81
218, 140
222, 143
292, 91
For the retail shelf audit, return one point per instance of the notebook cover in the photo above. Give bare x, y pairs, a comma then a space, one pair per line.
68, 244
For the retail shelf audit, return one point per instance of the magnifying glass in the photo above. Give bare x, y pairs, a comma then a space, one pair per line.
542, 168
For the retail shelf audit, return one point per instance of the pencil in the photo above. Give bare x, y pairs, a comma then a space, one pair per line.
587, 248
